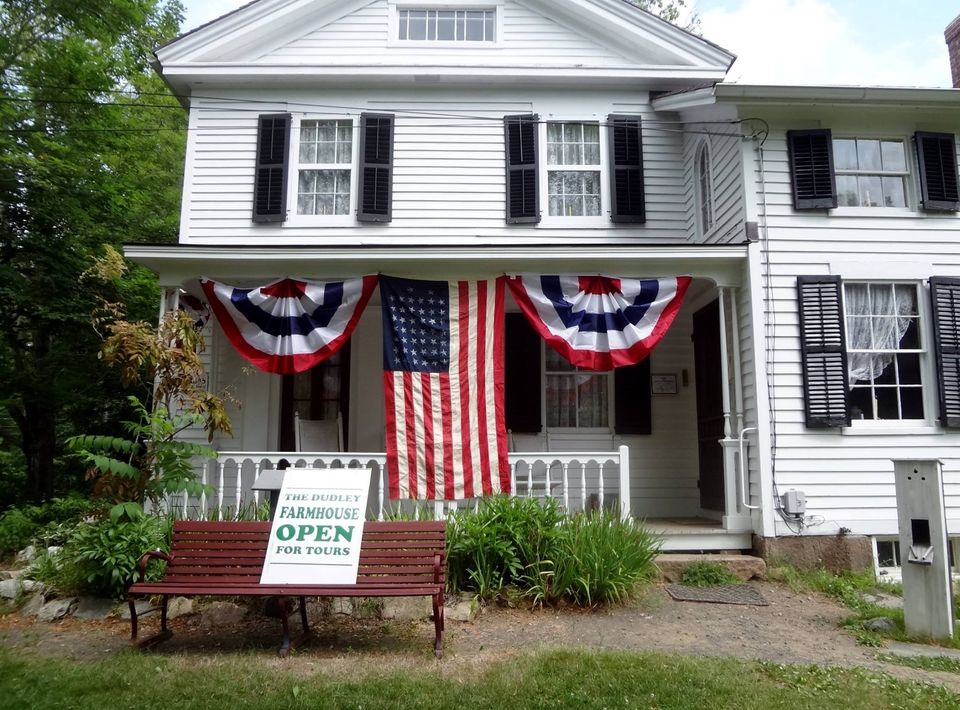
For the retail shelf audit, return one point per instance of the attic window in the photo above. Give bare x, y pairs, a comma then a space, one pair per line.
426, 25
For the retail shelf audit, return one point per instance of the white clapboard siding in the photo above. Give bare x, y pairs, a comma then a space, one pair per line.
364, 35
726, 180
449, 172
847, 475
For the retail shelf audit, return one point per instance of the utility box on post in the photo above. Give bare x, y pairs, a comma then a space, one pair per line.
927, 593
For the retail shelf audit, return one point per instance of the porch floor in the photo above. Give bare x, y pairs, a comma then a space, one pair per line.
697, 534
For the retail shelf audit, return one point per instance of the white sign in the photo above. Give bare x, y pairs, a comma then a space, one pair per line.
318, 527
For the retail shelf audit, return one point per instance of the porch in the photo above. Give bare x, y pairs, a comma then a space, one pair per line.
569, 441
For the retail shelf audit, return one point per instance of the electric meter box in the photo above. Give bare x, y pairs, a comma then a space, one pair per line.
794, 503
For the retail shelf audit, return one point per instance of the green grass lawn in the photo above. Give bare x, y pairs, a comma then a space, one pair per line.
556, 679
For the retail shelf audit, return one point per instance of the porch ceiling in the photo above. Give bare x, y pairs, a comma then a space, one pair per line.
177, 264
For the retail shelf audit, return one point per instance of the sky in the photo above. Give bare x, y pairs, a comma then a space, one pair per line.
864, 42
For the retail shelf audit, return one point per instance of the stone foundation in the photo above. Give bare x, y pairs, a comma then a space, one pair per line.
835, 553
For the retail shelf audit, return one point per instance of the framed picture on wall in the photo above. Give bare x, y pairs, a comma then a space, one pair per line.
663, 384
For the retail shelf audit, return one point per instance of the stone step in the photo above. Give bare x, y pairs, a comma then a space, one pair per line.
743, 566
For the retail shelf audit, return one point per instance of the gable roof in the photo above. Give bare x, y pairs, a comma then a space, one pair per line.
238, 46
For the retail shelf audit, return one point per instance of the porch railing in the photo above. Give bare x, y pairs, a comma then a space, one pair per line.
577, 480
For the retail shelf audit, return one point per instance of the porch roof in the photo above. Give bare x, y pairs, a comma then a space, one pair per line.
176, 264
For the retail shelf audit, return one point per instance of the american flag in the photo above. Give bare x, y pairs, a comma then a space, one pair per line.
443, 388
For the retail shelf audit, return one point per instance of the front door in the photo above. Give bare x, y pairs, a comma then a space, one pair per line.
322, 392
706, 354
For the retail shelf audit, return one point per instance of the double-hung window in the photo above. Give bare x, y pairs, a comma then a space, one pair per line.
573, 169
325, 155
884, 350
870, 172
575, 398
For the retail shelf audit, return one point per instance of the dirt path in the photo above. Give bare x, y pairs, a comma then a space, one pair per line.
794, 628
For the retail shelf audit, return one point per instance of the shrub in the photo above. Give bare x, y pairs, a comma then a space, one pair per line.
707, 574
20, 526
102, 556
522, 546
504, 542
603, 559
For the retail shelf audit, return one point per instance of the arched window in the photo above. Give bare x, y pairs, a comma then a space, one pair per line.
704, 188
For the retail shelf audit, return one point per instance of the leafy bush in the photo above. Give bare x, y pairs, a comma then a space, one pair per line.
100, 557
505, 542
512, 546
708, 574
20, 526
603, 559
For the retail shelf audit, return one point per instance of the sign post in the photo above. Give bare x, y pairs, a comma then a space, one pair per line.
318, 527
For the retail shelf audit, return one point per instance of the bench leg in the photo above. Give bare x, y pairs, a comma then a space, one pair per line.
287, 642
438, 624
164, 634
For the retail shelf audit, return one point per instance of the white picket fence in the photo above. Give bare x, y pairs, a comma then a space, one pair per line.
576, 480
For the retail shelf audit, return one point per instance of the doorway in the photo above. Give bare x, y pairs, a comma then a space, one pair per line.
706, 354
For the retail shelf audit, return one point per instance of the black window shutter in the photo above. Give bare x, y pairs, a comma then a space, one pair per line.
522, 375
375, 199
626, 169
811, 169
937, 158
823, 352
631, 399
522, 180
270, 181
945, 295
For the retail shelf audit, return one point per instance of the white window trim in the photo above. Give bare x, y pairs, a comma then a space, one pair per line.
608, 430
294, 219
393, 23
928, 375
910, 198
553, 221
703, 148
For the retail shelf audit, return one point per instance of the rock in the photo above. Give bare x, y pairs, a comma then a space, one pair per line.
10, 588
33, 605
9, 574
179, 606
880, 624
56, 609
26, 555
743, 566
54, 550
221, 614
406, 608
143, 607
463, 610
31, 586
94, 608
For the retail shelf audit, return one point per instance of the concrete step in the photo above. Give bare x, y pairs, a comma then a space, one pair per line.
743, 566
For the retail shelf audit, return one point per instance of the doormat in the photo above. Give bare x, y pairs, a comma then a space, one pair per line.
723, 594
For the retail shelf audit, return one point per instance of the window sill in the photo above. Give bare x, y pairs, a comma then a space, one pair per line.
870, 428
555, 222
874, 212
340, 220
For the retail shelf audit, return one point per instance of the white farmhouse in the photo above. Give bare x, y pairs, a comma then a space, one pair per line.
468, 139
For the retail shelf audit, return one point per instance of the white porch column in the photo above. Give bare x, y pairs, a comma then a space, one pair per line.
733, 518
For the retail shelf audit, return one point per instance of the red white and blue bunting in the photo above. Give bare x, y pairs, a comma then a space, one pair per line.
290, 325
600, 322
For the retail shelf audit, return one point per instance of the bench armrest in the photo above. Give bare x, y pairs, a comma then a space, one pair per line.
147, 556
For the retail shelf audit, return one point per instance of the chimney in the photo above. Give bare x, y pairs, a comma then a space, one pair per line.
952, 35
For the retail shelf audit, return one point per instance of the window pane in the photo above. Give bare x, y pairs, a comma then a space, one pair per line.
871, 191
892, 155
847, 195
325, 204
445, 26
858, 335
556, 362
592, 206
911, 403
553, 154
561, 401
308, 179
326, 152
593, 400
893, 194
572, 132
868, 154
404, 14
906, 299
571, 184
887, 405
845, 154
884, 369
591, 183
306, 204
308, 152
556, 206
908, 368
418, 25
489, 31
343, 204
911, 336
886, 556
591, 154
474, 27
861, 403
881, 299
555, 132
572, 154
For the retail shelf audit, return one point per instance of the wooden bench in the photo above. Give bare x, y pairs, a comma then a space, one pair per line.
397, 559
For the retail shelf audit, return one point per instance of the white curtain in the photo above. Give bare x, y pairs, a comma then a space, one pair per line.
894, 308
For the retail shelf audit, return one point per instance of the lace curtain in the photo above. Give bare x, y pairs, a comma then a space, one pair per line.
879, 325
